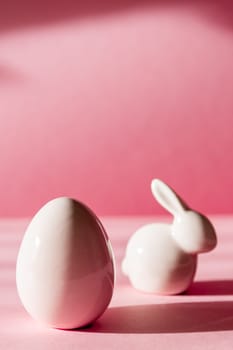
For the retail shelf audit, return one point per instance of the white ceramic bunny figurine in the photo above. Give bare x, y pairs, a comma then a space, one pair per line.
162, 258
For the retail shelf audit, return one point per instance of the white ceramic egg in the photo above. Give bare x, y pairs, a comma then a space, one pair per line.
65, 266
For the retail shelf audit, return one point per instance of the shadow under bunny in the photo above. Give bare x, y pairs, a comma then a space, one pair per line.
166, 318
221, 287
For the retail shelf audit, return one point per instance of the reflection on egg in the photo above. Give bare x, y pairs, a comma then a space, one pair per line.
65, 268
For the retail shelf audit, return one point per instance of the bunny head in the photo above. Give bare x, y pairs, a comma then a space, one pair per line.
192, 231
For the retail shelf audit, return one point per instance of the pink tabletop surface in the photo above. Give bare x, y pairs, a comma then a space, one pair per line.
201, 318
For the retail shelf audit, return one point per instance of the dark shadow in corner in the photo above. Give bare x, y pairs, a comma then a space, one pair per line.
166, 318
224, 287
16, 14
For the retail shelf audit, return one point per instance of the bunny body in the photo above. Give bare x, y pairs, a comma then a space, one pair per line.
162, 258
155, 263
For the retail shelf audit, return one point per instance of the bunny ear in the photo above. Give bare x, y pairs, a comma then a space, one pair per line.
167, 197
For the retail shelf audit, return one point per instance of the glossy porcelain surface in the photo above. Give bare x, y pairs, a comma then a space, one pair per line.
65, 268
162, 258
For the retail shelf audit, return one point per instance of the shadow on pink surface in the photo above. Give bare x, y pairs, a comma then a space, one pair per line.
224, 287
166, 318
15, 14
9, 75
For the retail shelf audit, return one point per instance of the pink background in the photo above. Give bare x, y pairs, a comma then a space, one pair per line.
96, 100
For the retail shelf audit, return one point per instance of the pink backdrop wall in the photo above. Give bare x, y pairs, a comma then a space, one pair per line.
95, 102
